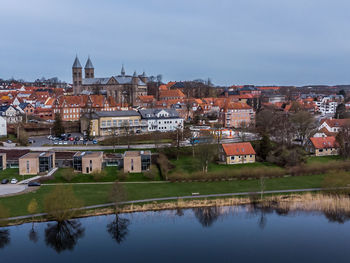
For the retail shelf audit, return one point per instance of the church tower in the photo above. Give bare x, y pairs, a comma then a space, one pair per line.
89, 69
77, 75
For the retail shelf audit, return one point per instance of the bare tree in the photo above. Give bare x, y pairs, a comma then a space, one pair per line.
127, 130
117, 195
304, 125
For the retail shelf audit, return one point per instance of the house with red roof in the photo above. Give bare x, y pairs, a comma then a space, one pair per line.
323, 146
173, 94
330, 127
237, 153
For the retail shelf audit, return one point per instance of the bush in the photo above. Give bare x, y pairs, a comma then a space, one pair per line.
98, 176
152, 173
122, 176
67, 174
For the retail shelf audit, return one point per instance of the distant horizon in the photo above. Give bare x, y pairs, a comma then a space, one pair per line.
272, 42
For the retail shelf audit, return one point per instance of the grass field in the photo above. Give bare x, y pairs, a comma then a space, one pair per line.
188, 164
112, 174
98, 193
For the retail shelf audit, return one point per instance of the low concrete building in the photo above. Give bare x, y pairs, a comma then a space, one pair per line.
88, 162
236, 153
323, 146
34, 163
2, 161
137, 161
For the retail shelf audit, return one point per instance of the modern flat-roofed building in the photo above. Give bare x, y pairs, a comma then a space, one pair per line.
137, 161
88, 162
107, 123
36, 163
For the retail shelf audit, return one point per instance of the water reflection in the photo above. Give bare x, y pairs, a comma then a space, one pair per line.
4, 237
118, 228
63, 235
337, 217
33, 234
207, 215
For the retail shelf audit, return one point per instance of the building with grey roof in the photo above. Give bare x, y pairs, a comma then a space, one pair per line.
163, 120
124, 88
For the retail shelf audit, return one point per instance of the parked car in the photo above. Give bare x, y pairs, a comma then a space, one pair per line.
82, 138
5, 181
65, 142
60, 142
77, 138
71, 139
9, 141
94, 142
34, 184
55, 142
14, 181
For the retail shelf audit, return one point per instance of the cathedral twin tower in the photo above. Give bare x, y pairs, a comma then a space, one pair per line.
77, 71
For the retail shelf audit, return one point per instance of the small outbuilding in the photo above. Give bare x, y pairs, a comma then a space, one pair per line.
236, 153
323, 146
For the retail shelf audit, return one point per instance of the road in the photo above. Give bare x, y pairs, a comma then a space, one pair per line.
176, 198
34, 147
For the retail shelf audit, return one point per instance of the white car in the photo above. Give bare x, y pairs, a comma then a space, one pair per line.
65, 142
14, 181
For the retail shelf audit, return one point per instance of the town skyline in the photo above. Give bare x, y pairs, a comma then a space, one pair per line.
245, 42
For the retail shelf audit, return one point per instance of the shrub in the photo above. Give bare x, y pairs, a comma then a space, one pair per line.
67, 174
151, 173
98, 176
122, 176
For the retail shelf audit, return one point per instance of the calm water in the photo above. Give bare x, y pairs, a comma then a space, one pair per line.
194, 235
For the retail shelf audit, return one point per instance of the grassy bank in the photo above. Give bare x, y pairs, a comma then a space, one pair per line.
98, 194
13, 173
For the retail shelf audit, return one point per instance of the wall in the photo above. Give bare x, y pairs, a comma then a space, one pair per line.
33, 166
137, 164
238, 159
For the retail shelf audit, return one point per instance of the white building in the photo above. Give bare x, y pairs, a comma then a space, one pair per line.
3, 127
326, 105
163, 120
11, 114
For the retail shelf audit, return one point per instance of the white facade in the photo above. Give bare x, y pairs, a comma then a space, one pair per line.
326, 106
164, 120
3, 127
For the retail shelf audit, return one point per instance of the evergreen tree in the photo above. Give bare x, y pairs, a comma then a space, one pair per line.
265, 147
58, 128
341, 112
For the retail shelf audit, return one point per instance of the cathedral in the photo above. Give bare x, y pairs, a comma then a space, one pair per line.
124, 88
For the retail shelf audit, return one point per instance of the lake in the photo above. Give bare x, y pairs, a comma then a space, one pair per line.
215, 234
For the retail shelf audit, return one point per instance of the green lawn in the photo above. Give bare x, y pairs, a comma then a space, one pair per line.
112, 173
13, 173
98, 194
188, 164
323, 159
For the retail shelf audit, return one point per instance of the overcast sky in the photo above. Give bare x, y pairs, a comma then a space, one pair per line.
286, 42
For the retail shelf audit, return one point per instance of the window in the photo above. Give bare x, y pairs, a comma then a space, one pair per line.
114, 122
109, 123
232, 158
103, 123
90, 165
27, 166
132, 164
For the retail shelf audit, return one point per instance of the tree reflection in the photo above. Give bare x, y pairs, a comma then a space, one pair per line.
33, 235
4, 238
207, 215
63, 235
118, 229
337, 216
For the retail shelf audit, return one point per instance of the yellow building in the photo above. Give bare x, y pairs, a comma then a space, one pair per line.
237, 153
105, 123
324, 146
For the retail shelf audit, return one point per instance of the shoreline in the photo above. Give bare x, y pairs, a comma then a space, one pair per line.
293, 202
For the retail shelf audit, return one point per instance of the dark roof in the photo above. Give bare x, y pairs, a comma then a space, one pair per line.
22, 105
152, 113
13, 155
88, 64
64, 155
121, 113
76, 63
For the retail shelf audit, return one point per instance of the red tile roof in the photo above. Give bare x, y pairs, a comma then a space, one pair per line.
324, 142
336, 122
175, 93
241, 148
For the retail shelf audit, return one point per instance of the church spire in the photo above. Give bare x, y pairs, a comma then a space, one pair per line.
76, 63
88, 64
123, 70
